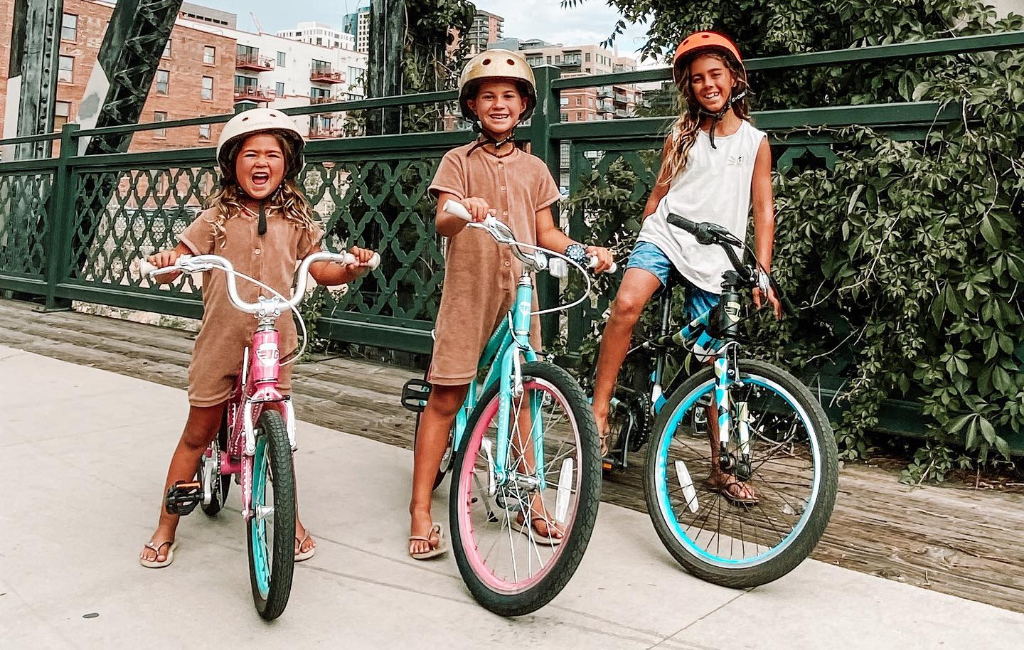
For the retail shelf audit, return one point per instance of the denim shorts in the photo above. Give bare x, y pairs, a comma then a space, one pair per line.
650, 258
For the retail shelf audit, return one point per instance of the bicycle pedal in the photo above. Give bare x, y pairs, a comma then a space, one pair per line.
183, 497
414, 395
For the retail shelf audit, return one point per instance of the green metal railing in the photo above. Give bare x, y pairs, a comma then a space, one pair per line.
70, 226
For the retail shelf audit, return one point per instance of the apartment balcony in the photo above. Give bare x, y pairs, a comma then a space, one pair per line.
324, 133
605, 107
604, 92
620, 98
621, 112
571, 60
326, 76
253, 94
254, 62
326, 99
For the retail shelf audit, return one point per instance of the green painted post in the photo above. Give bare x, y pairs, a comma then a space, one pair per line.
59, 214
542, 146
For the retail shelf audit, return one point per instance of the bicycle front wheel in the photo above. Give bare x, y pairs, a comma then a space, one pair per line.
793, 474
272, 525
518, 543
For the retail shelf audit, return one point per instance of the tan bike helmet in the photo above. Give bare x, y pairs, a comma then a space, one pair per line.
259, 120
497, 64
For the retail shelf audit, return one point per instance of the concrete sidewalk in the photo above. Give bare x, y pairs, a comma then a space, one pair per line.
83, 453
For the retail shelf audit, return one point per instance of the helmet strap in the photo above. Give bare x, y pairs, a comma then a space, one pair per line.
487, 138
716, 117
261, 228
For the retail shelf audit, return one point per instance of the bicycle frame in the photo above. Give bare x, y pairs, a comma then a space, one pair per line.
502, 358
255, 390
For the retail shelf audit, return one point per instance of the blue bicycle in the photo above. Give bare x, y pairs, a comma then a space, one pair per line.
739, 421
524, 457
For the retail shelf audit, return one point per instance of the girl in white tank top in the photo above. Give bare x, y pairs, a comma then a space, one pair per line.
714, 166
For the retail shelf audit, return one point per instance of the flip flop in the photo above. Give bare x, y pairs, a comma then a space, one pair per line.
538, 539
723, 489
300, 555
434, 551
155, 564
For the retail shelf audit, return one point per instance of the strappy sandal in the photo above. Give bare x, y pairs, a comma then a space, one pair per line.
730, 496
300, 555
532, 532
159, 564
434, 551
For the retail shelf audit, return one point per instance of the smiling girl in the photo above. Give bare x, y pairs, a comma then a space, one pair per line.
714, 165
263, 224
492, 176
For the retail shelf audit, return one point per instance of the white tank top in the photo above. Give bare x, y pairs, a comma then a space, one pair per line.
715, 186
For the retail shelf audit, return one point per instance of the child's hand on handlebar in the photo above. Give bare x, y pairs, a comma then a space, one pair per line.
363, 257
477, 207
773, 300
604, 258
164, 259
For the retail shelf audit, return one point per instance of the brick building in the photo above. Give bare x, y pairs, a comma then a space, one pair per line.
195, 76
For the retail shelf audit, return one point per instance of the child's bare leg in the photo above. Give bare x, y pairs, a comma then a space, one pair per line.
522, 449
635, 291
431, 439
718, 478
302, 542
200, 429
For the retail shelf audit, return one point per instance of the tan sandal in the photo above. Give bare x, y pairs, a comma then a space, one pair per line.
434, 551
159, 564
300, 555
531, 531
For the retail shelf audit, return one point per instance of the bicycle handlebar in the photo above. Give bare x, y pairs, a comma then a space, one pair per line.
200, 263
707, 233
503, 235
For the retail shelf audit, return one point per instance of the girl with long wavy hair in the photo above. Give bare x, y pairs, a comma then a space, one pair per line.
715, 164
260, 221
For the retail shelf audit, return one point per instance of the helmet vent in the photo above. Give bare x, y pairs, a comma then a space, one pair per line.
487, 62
510, 61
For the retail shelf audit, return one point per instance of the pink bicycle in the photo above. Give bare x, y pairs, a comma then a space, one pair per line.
257, 437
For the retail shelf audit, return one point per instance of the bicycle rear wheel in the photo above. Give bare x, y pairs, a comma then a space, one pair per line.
271, 529
502, 543
794, 475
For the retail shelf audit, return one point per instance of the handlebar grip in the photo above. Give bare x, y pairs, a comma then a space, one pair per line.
456, 209
145, 268
682, 222
611, 269
372, 264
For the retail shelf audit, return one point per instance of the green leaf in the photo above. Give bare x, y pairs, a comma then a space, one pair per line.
987, 430
992, 233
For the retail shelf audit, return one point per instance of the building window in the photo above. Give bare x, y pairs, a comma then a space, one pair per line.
69, 27
565, 117
355, 76
209, 55
167, 49
564, 101
579, 116
280, 59
587, 57
549, 59
61, 114
162, 78
159, 116
279, 89
207, 92
204, 131
579, 101
66, 68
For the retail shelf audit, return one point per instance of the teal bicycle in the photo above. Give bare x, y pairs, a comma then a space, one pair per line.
523, 449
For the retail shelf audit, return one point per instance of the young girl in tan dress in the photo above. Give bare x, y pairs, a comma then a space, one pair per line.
262, 223
489, 176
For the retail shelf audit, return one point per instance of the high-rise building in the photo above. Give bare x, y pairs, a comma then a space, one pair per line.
486, 28
358, 25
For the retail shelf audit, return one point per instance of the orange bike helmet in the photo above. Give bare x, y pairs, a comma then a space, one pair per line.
699, 42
